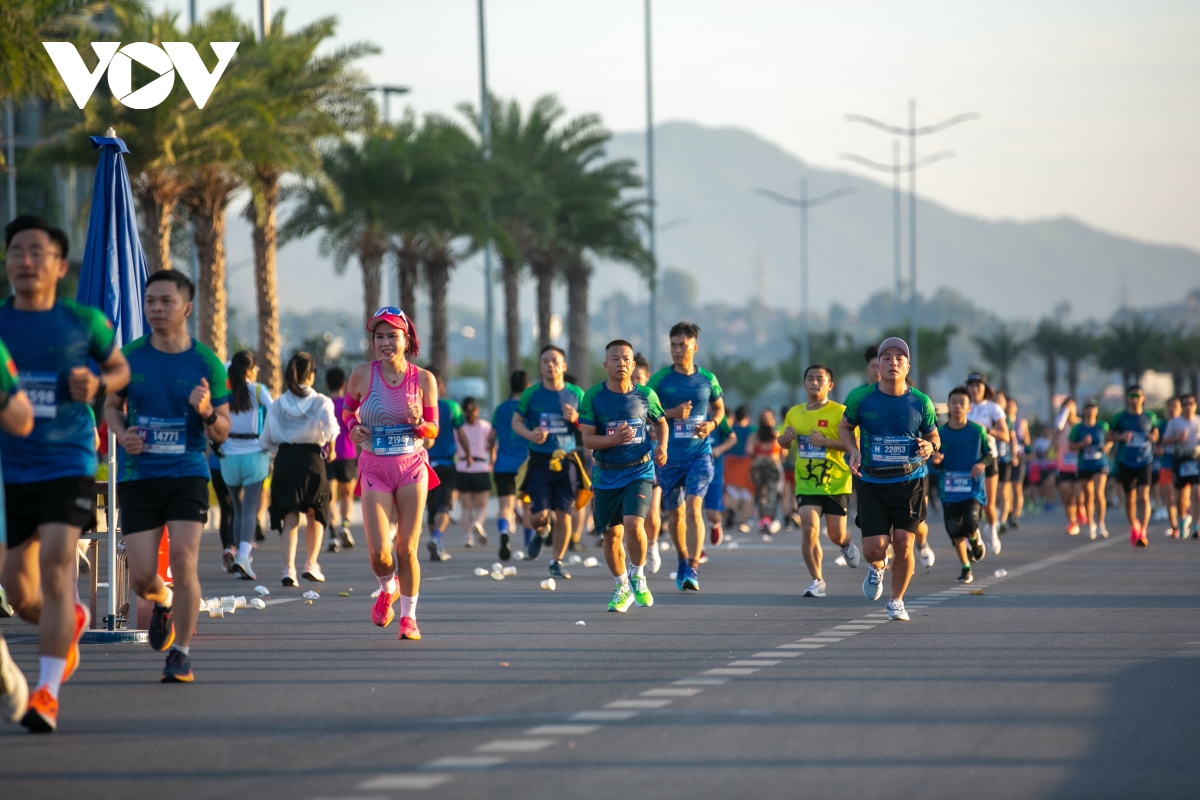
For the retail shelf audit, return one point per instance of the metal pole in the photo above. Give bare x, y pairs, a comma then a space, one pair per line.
191, 13
896, 247
913, 342
10, 136
264, 11
485, 132
804, 362
110, 514
652, 348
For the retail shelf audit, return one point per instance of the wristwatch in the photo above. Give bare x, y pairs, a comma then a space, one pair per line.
210, 419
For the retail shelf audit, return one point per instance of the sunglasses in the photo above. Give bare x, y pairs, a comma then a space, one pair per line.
389, 311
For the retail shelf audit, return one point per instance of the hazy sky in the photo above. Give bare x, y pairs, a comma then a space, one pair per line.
1091, 108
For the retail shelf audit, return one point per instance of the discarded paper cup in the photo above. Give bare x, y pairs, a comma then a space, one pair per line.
262, 591
510, 571
590, 561
497, 567
574, 559
548, 584
239, 602
258, 603
216, 612
497, 575
1000, 573
581, 622
481, 572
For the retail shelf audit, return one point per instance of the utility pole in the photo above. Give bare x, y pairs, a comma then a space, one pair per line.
912, 132
264, 13
896, 258
652, 346
485, 133
10, 149
387, 91
804, 204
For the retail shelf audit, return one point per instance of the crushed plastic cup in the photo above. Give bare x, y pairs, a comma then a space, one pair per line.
262, 591
574, 559
311, 595
481, 572
768, 537
497, 575
510, 572
216, 612
581, 622
672, 576
1000, 573
519, 555
548, 584
258, 603
590, 561
733, 545
239, 602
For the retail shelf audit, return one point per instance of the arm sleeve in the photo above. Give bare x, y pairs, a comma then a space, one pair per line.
218, 379
655, 411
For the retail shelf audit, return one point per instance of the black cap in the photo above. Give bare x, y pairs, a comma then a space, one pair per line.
976, 377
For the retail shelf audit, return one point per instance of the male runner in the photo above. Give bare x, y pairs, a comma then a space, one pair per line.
50, 476
1183, 435
441, 457
898, 431
177, 400
16, 419
822, 478
962, 461
1135, 430
511, 452
546, 416
615, 417
693, 401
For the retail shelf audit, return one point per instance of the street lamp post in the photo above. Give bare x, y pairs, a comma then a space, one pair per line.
485, 134
652, 340
804, 204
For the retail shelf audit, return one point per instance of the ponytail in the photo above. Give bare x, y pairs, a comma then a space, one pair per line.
300, 368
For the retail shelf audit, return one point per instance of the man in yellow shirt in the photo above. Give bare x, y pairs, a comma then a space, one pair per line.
822, 477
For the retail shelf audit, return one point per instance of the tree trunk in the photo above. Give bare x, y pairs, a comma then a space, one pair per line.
266, 281
543, 271
437, 274
1073, 378
208, 198
512, 313
1196, 382
1051, 383
370, 259
578, 275
408, 262
157, 194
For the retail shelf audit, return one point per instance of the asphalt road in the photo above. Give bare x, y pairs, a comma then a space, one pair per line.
1076, 675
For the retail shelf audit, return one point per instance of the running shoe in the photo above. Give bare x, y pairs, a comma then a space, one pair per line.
313, 573
744, 527
1080, 516
851, 554
1103, 531
5, 609
346, 536
1002, 529
227, 557
436, 551
178, 668
873, 584
382, 612
816, 589
243, 568
1135, 536
481, 533
1072, 529
505, 550
468, 541
691, 578
703, 559
557, 571
82, 618
1092, 531
289, 577
534, 549
654, 559
995, 544
680, 574
1142, 541
927, 556
41, 715
409, 629
896, 610
975, 548
715, 535
1014, 523
622, 598
161, 630
774, 527
334, 546
965, 576
1185, 525
641, 591
14, 689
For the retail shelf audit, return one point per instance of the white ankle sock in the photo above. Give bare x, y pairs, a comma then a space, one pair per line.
244, 550
639, 570
408, 606
181, 648
621, 580
170, 598
51, 674
388, 584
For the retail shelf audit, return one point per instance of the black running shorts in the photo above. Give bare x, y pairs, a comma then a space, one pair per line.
883, 507
65, 501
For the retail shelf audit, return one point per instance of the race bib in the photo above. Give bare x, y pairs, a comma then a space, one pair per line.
163, 436
957, 483
1093, 454
806, 450
1188, 469
892, 449
1137, 440
1070, 460
638, 426
42, 390
393, 440
685, 428
553, 424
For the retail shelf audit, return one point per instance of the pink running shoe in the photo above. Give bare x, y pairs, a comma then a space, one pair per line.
382, 612
409, 629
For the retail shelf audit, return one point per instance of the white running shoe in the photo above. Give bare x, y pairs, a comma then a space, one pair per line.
896, 610
243, 568
927, 556
995, 543
289, 577
655, 559
313, 573
873, 585
1092, 531
817, 589
774, 527
14, 690
1103, 531
1185, 526
851, 554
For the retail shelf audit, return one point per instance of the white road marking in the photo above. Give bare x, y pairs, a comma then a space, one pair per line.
700, 681
752, 663
822, 639
801, 646
639, 703
672, 692
466, 762
405, 780
776, 654
603, 716
730, 671
562, 730
515, 745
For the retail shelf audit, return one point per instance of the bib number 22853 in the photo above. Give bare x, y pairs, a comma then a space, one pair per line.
892, 449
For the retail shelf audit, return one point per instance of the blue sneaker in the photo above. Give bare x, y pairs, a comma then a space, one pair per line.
557, 571
692, 581
534, 548
681, 574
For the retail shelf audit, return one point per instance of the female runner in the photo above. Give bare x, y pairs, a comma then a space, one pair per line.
391, 411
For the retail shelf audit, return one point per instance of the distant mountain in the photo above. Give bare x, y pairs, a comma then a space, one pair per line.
739, 246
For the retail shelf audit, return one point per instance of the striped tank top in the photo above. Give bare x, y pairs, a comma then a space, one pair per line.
384, 411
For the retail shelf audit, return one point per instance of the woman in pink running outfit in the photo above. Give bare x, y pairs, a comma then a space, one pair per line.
391, 412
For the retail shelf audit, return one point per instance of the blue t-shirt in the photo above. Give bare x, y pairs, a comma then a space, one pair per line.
674, 389
156, 404
511, 450
605, 410
1138, 451
46, 346
888, 427
719, 435
963, 449
1167, 459
542, 408
450, 419
1091, 458
743, 438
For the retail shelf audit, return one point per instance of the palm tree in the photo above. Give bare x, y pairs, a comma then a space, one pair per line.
1075, 345
1001, 351
25, 68
934, 346
1130, 346
1047, 342
289, 99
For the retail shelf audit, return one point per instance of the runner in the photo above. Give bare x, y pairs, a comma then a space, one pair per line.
178, 394
962, 463
1135, 430
392, 411
1164, 456
898, 431
787, 498
49, 476
722, 439
641, 376
473, 462
1004, 461
1089, 441
511, 451
738, 487
822, 478
546, 415
16, 421
342, 472
441, 458
1021, 442
766, 471
693, 401
623, 473
1067, 476
1183, 434
301, 426
244, 462
985, 412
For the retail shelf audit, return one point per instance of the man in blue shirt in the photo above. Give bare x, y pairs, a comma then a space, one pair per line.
615, 418
1136, 431
546, 416
961, 462
50, 477
897, 432
511, 452
177, 400
693, 401
441, 457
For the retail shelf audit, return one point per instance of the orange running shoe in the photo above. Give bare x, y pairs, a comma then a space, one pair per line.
42, 713
409, 629
382, 613
83, 618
